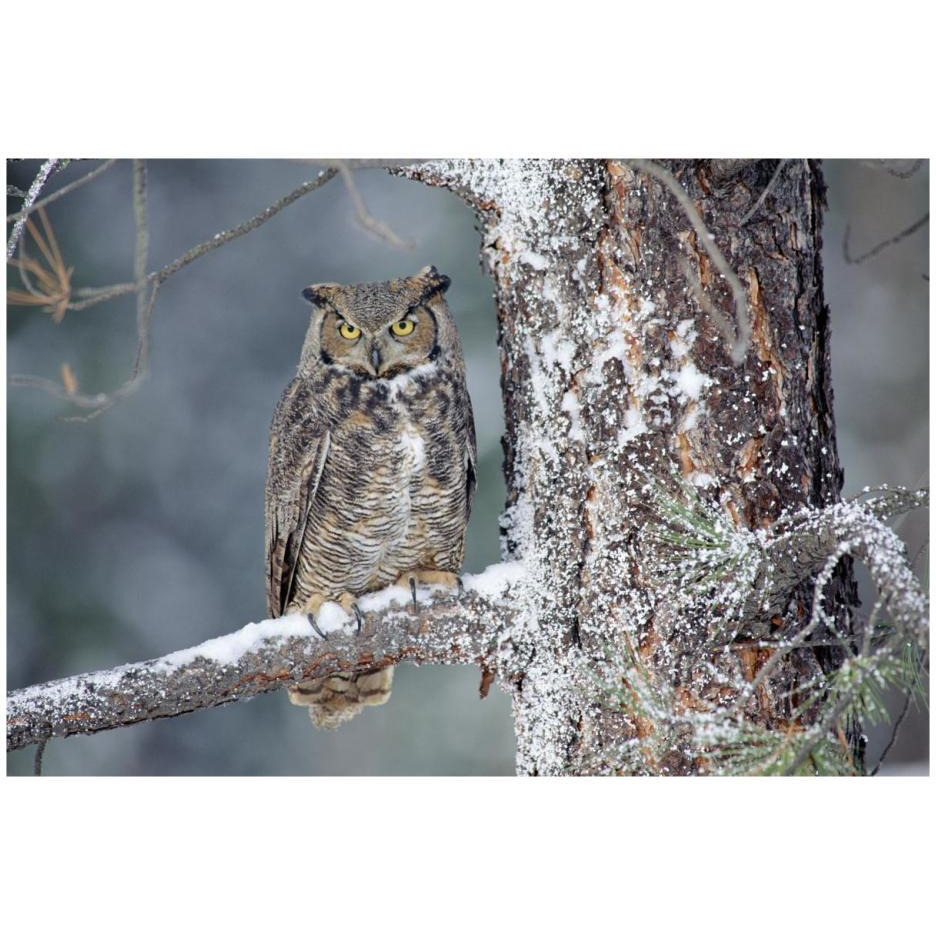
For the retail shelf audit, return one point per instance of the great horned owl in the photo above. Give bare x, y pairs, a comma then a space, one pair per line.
372, 464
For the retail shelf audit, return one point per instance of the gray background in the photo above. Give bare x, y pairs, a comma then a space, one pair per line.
142, 532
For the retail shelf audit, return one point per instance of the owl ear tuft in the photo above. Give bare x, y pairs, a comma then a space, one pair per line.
435, 281
318, 293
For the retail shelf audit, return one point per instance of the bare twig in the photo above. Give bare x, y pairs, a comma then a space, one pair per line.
140, 253
889, 166
219, 240
45, 170
443, 629
364, 217
64, 190
763, 195
100, 402
92, 296
896, 239
894, 733
739, 343
364, 163
40, 751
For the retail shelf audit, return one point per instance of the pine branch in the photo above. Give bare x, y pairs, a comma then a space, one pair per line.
443, 628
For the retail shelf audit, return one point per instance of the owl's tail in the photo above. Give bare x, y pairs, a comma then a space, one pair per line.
339, 698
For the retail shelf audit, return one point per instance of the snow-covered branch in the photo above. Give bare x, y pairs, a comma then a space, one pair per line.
442, 628
758, 571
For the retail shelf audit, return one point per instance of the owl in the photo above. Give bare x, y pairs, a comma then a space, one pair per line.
372, 464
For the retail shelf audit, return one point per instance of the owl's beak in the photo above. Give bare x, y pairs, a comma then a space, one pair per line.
375, 359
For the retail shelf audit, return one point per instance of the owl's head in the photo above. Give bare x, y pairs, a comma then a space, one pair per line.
379, 329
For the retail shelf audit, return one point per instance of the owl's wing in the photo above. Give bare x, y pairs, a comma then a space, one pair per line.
471, 458
299, 443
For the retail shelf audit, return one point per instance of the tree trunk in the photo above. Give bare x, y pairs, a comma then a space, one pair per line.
611, 371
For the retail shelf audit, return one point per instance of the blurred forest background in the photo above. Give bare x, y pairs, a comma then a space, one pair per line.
141, 532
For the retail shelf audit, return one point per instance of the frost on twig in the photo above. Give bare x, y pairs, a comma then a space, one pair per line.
443, 628
42, 176
59, 193
739, 579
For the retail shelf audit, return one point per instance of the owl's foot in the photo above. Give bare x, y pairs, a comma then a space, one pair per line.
429, 577
311, 609
347, 601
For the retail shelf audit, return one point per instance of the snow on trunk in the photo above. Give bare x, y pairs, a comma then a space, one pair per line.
613, 376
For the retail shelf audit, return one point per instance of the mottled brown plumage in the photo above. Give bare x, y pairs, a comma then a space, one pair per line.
372, 462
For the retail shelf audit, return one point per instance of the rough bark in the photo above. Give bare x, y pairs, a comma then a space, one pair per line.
611, 367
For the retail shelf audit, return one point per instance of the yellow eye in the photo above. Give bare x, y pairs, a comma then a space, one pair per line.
346, 330
403, 327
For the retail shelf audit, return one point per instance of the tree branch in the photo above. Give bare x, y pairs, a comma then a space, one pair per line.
270, 655
884, 244
64, 190
45, 170
219, 240
100, 402
364, 217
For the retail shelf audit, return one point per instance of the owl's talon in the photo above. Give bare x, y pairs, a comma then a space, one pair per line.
412, 585
461, 586
358, 617
311, 618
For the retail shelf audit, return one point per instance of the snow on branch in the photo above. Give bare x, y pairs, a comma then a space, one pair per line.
743, 578
272, 654
45, 170
729, 582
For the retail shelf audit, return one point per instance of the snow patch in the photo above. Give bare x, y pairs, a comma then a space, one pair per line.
557, 350
689, 381
229, 649
634, 425
495, 579
533, 259
392, 595
570, 406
